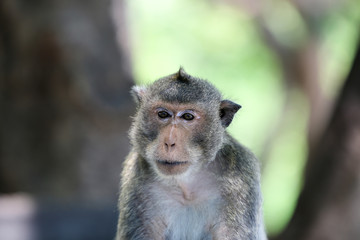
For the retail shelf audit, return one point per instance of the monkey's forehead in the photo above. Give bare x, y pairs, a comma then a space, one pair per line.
194, 90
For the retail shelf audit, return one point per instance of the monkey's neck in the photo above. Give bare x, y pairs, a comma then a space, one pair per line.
187, 192
191, 189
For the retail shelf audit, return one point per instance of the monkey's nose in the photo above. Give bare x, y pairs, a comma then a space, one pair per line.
169, 146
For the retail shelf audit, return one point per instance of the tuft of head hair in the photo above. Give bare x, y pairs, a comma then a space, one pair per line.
181, 87
182, 76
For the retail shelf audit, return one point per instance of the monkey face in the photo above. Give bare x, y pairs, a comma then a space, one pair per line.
180, 123
176, 147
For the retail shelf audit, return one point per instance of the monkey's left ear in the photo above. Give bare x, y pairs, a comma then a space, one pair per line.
138, 92
227, 112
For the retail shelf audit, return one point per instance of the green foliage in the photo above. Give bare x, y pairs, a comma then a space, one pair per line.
282, 178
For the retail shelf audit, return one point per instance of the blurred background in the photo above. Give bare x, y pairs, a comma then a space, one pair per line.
66, 68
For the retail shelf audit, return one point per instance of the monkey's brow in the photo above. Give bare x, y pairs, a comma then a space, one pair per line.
190, 110
161, 108
177, 108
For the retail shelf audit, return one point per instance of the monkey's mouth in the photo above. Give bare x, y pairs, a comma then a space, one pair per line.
171, 163
172, 167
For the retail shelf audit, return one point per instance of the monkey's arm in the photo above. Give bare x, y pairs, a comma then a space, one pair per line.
134, 221
240, 186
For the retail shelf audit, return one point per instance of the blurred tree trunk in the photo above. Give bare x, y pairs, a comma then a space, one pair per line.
64, 98
328, 207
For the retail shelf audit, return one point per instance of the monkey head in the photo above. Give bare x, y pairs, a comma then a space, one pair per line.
180, 123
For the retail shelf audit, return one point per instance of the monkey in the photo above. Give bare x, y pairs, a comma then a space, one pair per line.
185, 177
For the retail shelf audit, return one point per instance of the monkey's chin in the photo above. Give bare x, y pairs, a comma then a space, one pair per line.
168, 167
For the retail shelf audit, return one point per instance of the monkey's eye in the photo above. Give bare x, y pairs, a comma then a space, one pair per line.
188, 116
163, 114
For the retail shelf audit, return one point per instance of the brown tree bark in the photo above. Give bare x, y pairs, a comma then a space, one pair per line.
328, 207
64, 117
65, 101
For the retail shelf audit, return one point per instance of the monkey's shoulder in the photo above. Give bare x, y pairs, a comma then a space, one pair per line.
236, 156
135, 170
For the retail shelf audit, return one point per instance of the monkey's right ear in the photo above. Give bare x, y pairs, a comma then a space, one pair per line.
138, 93
227, 112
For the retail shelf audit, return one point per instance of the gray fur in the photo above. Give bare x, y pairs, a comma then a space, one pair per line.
224, 197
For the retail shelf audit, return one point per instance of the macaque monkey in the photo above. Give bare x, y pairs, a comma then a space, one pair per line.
186, 178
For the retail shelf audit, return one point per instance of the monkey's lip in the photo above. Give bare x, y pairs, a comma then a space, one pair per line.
168, 167
172, 163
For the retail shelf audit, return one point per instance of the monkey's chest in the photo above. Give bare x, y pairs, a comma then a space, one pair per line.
190, 222
188, 210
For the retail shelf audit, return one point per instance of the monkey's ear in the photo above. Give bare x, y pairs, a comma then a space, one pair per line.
138, 93
227, 112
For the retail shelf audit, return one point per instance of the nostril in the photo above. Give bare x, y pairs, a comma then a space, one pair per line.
169, 146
